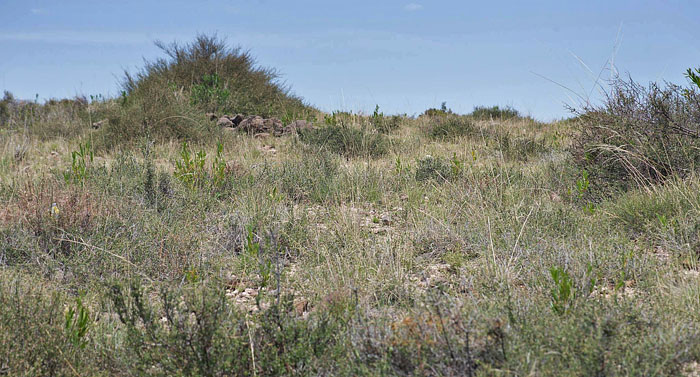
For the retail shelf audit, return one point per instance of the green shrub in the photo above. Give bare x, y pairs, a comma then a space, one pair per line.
451, 127
230, 77
42, 336
77, 324
209, 93
190, 168
168, 97
494, 112
346, 140
441, 112
197, 330
384, 124
640, 136
159, 115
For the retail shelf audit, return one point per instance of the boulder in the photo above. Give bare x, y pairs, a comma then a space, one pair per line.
237, 119
252, 124
224, 122
273, 125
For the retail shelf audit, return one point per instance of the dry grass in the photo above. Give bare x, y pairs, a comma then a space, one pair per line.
390, 275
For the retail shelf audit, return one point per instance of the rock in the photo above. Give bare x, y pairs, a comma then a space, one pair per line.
237, 119
211, 116
273, 125
261, 135
255, 125
252, 124
386, 220
99, 124
224, 122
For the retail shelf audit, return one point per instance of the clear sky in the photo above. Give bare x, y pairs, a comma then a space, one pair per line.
404, 56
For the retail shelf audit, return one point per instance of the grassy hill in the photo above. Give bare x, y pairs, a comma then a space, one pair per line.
444, 244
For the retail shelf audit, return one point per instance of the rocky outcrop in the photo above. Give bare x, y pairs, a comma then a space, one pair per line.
259, 126
253, 124
237, 119
224, 122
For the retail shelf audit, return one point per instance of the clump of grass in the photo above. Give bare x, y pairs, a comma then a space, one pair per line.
450, 127
311, 177
664, 218
436, 168
494, 112
640, 135
347, 140
518, 148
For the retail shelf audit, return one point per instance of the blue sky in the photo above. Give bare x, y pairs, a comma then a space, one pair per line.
404, 56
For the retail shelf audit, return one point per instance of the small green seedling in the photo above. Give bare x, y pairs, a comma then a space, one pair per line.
79, 166
563, 290
77, 324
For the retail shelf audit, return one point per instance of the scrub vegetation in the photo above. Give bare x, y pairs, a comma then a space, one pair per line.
483, 244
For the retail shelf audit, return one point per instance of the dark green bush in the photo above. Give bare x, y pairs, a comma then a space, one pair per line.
640, 135
346, 140
494, 112
442, 111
